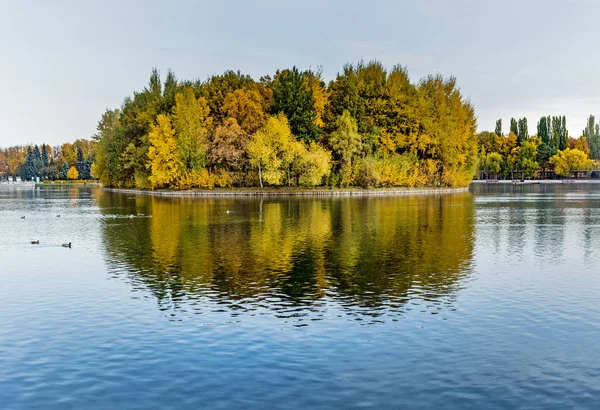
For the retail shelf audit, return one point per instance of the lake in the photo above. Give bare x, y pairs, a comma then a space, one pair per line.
481, 299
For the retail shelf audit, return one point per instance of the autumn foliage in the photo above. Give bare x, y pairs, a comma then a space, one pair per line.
367, 127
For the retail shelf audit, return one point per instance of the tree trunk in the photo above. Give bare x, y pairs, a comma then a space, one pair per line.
260, 175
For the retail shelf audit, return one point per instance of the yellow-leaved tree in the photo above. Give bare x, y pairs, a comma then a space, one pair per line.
246, 107
191, 121
271, 150
163, 154
72, 173
314, 165
570, 160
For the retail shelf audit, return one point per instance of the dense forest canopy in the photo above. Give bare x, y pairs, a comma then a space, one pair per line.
369, 127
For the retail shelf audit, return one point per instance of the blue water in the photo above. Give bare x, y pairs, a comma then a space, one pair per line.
488, 299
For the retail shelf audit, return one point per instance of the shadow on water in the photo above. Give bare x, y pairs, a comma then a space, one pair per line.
295, 258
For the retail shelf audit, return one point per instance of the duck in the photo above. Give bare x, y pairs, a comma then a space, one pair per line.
66, 245
35, 242
228, 212
23, 217
58, 216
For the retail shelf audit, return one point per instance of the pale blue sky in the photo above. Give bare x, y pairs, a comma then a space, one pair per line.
63, 62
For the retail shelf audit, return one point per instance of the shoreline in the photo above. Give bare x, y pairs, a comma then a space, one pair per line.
534, 181
274, 192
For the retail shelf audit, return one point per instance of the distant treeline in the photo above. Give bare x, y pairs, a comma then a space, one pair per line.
502, 155
66, 161
368, 127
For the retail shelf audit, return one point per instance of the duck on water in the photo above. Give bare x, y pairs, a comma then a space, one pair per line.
64, 245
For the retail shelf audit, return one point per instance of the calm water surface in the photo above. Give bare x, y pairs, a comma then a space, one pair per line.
487, 299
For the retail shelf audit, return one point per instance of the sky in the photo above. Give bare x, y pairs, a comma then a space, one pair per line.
62, 63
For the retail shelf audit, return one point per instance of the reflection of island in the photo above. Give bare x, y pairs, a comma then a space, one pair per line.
366, 255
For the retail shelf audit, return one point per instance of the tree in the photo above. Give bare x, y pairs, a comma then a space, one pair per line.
581, 144
543, 131
592, 134
44, 155
163, 154
314, 81
107, 167
315, 165
544, 153
569, 160
72, 173
345, 143
523, 132
560, 135
493, 163
498, 130
190, 120
228, 146
83, 165
564, 136
64, 171
293, 98
489, 141
527, 161
216, 89
450, 155
269, 148
246, 107
514, 128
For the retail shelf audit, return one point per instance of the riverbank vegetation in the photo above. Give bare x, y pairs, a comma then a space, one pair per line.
66, 161
368, 127
551, 149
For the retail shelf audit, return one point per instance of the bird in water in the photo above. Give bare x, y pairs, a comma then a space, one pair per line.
228, 212
35, 242
58, 216
23, 217
66, 245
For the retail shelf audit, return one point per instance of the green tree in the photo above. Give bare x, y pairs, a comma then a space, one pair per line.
45, 161
493, 163
293, 98
543, 131
514, 127
345, 143
498, 130
527, 161
592, 134
544, 153
523, 132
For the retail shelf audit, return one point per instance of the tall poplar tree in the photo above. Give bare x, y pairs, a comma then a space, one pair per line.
592, 134
498, 130
542, 129
514, 128
523, 132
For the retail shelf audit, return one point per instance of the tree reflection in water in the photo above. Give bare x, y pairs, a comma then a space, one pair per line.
291, 257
